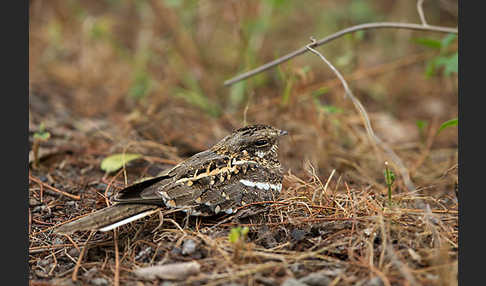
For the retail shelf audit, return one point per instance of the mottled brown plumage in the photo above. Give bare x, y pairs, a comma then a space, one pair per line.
240, 169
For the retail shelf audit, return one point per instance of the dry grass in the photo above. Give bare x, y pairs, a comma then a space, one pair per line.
348, 233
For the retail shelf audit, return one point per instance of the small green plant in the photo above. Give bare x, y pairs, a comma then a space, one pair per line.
238, 234
237, 237
141, 84
101, 29
389, 180
290, 78
288, 89
194, 95
40, 136
326, 108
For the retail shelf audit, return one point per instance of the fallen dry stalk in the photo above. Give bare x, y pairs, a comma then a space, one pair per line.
52, 188
74, 276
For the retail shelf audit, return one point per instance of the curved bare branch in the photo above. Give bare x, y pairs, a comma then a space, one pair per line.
380, 25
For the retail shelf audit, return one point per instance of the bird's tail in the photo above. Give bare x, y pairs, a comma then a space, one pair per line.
108, 218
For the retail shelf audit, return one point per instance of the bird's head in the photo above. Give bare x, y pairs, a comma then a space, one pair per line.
254, 142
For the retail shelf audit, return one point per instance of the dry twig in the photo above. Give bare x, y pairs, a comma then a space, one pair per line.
420, 11
52, 188
380, 25
80, 258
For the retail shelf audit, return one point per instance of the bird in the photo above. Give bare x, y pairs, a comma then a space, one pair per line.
240, 169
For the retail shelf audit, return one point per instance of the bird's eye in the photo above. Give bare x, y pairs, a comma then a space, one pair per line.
261, 142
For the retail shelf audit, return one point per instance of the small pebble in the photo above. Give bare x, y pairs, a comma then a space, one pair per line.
99, 281
52, 193
188, 247
298, 234
176, 251
293, 282
368, 231
57, 241
316, 279
38, 209
280, 271
101, 186
91, 272
143, 253
375, 281
34, 202
73, 252
44, 262
266, 281
295, 268
41, 273
71, 203
171, 271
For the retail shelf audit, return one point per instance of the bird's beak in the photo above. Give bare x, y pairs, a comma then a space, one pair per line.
283, 132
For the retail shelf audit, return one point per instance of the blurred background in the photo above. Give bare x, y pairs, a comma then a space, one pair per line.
153, 71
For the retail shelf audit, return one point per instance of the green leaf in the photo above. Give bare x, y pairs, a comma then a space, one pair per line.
450, 64
431, 43
117, 161
331, 109
320, 91
448, 123
42, 135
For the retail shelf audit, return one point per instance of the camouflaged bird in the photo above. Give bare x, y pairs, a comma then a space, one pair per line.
240, 169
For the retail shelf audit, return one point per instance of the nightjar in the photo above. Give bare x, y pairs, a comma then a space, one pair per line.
240, 169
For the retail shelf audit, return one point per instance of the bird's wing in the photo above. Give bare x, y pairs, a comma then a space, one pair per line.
135, 193
153, 191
